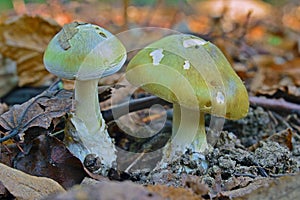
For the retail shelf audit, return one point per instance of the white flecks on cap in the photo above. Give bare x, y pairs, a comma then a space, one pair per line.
193, 42
220, 98
186, 65
157, 55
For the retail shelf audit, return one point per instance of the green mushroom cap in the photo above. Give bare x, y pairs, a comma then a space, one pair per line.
84, 51
192, 72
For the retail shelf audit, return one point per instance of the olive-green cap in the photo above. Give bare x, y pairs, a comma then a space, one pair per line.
192, 72
84, 51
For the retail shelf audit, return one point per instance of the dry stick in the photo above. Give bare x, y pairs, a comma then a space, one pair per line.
137, 104
275, 104
134, 105
134, 162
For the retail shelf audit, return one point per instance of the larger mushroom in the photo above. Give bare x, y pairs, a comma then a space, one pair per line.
196, 77
86, 52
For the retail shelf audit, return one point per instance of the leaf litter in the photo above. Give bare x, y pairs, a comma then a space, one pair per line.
255, 156
39, 111
28, 187
23, 39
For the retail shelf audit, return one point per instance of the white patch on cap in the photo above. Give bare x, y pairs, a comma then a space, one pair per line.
193, 42
220, 98
186, 65
157, 55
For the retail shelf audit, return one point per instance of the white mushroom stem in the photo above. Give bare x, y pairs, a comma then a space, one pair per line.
199, 143
86, 133
87, 104
186, 132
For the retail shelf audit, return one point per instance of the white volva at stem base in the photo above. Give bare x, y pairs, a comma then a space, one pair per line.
86, 132
188, 132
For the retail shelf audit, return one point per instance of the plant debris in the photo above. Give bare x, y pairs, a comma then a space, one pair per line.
257, 157
24, 186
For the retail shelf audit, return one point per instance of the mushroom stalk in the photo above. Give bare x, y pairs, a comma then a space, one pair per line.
186, 132
86, 52
87, 134
87, 104
199, 143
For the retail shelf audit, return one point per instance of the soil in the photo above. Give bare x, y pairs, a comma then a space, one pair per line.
247, 155
262, 145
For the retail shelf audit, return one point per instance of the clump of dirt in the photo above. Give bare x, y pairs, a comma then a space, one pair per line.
275, 158
251, 129
236, 159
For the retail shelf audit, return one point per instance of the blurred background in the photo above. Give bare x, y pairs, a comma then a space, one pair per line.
188, 15
261, 39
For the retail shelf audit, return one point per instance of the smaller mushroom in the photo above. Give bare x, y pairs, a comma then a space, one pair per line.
196, 77
86, 52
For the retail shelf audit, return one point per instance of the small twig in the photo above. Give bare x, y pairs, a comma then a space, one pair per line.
134, 105
134, 162
244, 174
275, 104
146, 102
283, 121
281, 175
57, 132
273, 118
260, 169
10, 135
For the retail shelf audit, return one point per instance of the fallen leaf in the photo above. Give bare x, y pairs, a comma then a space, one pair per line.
173, 193
194, 182
24, 186
24, 39
47, 156
236, 182
284, 188
108, 190
3, 191
283, 138
39, 112
274, 79
3, 108
8, 75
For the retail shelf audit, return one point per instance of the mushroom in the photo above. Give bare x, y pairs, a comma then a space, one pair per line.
196, 77
86, 52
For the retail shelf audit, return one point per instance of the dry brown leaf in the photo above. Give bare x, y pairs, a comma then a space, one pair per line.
173, 193
24, 186
3, 108
196, 185
8, 75
48, 157
24, 39
3, 191
107, 190
283, 138
272, 76
38, 112
284, 188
